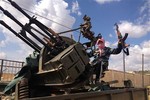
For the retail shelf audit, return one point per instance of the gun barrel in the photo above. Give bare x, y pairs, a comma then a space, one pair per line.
26, 27
39, 24
22, 38
43, 28
10, 16
19, 8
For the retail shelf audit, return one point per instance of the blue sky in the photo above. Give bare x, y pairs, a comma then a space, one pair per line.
132, 16
105, 15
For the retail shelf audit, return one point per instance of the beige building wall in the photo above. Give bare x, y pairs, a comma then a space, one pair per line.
120, 76
109, 76
7, 77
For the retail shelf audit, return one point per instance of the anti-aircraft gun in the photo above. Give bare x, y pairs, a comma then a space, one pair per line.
58, 62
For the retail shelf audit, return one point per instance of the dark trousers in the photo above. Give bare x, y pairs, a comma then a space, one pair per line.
99, 70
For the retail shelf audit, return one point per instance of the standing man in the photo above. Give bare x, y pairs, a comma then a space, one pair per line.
103, 56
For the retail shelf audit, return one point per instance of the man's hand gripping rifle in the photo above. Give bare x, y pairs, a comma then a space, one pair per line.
122, 40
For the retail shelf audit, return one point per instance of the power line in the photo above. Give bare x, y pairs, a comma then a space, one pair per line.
46, 18
42, 16
54, 16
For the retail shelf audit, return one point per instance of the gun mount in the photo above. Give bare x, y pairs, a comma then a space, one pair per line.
58, 62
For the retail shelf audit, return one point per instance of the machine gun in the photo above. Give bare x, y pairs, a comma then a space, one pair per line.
58, 62
124, 45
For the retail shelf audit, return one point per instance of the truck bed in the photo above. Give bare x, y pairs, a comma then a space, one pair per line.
116, 94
